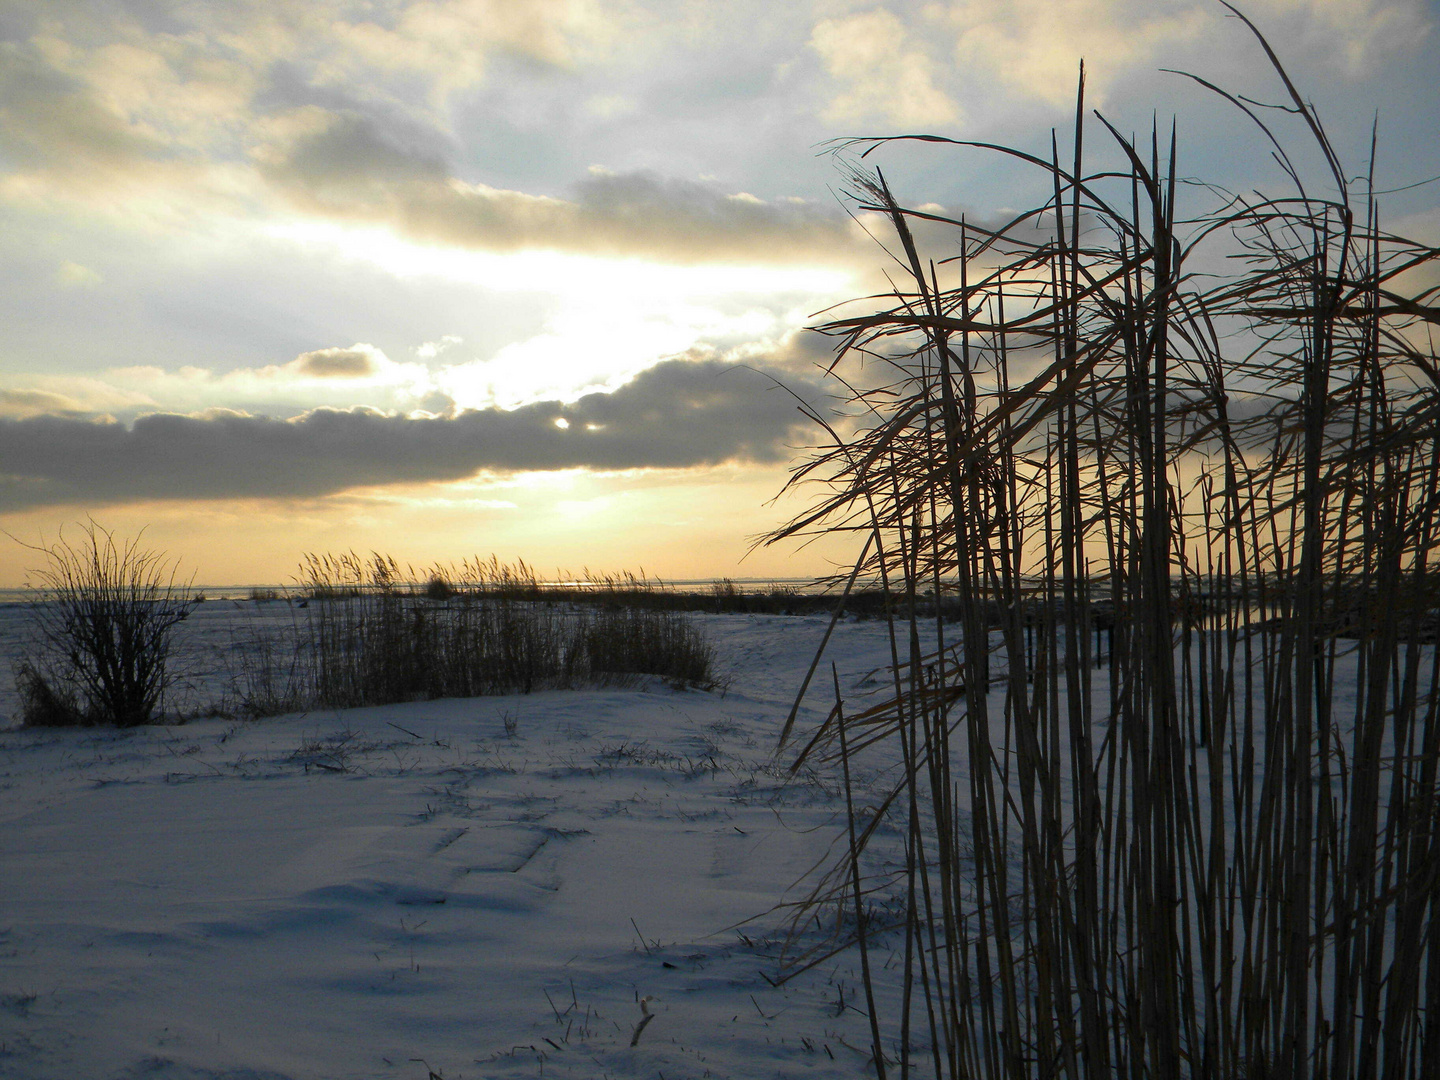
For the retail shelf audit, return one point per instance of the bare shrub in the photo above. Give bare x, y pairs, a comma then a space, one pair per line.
438, 587
103, 615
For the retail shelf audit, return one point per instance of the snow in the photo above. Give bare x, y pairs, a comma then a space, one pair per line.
469, 888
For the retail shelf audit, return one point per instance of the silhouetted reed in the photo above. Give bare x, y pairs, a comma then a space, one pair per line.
1216, 855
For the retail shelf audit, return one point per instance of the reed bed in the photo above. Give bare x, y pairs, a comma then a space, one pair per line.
1163, 797
366, 634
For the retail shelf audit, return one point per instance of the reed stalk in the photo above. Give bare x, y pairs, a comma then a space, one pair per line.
1209, 848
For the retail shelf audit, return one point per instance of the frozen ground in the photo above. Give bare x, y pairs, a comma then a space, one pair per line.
473, 888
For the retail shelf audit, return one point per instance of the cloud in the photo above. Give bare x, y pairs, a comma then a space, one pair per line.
335, 151
431, 349
349, 170
914, 72
50, 119
1359, 34
105, 100
31, 402
599, 348
450, 41
255, 113
884, 74
78, 394
676, 415
335, 363
977, 62
360, 374
1033, 47
331, 93
798, 352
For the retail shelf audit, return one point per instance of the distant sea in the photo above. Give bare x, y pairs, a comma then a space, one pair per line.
244, 592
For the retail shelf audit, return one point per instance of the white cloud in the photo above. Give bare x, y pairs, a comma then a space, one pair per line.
431, 349
609, 323
578, 354
1033, 47
339, 377
26, 395
449, 41
940, 64
96, 106
346, 169
31, 402
610, 106
884, 74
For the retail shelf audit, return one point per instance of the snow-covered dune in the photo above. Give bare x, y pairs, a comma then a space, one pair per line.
473, 888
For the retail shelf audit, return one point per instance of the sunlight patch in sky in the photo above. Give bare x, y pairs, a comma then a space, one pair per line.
613, 318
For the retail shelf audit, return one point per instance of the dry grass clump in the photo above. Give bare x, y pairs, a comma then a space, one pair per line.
635, 641
1217, 855
45, 701
370, 633
103, 616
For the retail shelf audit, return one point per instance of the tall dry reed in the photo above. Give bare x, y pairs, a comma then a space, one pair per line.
1207, 440
371, 632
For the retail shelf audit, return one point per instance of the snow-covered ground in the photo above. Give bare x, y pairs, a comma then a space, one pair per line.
473, 888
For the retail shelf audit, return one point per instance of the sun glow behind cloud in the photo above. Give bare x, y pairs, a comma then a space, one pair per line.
302, 224
610, 318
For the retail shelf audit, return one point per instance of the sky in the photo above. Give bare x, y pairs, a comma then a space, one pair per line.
446, 278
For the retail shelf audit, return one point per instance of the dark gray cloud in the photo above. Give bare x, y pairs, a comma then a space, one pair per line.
678, 414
